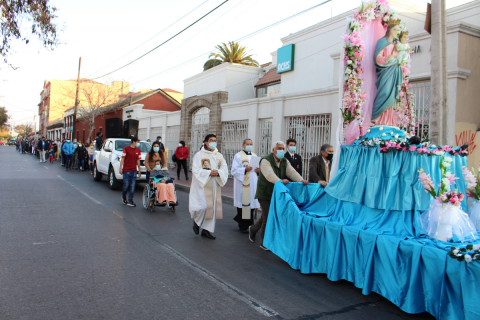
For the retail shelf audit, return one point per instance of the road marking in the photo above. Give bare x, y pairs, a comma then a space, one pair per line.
35, 243
85, 194
45, 167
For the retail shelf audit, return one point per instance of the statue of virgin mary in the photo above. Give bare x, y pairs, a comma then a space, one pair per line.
389, 77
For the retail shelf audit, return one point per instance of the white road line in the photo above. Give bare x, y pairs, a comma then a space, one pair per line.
85, 194
45, 167
227, 287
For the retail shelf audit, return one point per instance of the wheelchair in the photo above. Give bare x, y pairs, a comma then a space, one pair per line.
150, 194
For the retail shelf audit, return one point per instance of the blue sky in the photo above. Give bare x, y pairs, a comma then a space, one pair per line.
108, 34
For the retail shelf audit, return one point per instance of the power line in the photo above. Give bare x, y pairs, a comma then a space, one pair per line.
164, 41
241, 38
16, 106
151, 37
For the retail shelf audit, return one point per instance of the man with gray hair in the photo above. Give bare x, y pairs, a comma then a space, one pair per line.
273, 168
244, 186
321, 165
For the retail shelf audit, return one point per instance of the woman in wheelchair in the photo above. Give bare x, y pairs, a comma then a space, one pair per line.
165, 191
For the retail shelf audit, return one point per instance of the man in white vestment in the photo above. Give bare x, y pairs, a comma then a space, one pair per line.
210, 173
245, 186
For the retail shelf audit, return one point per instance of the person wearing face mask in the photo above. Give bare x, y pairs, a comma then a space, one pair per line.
181, 153
244, 186
91, 151
159, 140
273, 168
320, 166
152, 156
165, 191
68, 150
130, 168
294, 159
99, 141
209, 175
75, 155
81, 153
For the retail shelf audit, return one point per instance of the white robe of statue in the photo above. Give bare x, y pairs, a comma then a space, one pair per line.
201, 182
238, 172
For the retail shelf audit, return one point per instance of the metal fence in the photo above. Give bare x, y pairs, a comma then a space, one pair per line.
200, 125
422, 91
173, 138
265, 137
311, 132
233, 134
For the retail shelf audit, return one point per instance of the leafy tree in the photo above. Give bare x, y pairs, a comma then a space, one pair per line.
3, 116
230, 52
39, 13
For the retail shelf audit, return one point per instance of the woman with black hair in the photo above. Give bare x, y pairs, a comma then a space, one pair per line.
181, 153
155, 154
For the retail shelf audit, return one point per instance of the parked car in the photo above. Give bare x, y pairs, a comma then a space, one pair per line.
106, 161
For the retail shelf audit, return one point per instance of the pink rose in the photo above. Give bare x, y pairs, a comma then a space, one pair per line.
457, 204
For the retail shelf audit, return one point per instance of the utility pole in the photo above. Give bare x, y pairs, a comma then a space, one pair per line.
76, 99
440, 131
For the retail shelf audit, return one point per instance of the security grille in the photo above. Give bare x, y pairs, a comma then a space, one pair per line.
311, 132
155, 132
265, 137
142, 134
422, 91
200, 125
233, 134
173, 138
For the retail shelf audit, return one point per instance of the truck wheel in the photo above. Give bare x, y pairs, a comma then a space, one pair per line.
114, 184
97, 176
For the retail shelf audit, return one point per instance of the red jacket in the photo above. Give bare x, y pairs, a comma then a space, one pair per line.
181, 152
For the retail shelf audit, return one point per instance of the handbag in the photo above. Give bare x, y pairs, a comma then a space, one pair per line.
174, 157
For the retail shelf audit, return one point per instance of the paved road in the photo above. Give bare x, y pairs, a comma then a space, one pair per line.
69, 249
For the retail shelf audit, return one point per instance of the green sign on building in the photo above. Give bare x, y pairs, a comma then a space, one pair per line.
285, 58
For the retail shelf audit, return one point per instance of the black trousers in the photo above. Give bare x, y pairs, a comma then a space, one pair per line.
181, 163
243, 224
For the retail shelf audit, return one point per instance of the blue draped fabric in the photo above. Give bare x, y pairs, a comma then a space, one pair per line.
389, 181
376, 249
389, 81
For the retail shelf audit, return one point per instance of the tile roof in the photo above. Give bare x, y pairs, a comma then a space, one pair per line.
138, 97
170, 90
265, 65
270, 77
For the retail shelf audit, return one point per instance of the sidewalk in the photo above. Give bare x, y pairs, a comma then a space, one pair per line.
184, 185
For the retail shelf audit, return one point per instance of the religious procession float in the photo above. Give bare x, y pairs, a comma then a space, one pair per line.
400, 216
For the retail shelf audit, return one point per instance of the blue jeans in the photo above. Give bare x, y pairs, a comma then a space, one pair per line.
129, 180
81, 164
68, 161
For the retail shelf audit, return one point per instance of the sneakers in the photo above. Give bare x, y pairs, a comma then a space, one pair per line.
131, 203
124, 200
251, 235
264, 248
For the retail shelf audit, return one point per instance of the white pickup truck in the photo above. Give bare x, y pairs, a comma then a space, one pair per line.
107, 161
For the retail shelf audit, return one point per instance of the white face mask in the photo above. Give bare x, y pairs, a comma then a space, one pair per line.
180, 145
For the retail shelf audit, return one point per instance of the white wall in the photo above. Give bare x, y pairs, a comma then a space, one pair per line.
237, 80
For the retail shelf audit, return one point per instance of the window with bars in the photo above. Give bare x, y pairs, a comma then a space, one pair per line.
142, 134
173, 138
422, 92
265, 144
233, 134
310, 132
200, 125
155, 132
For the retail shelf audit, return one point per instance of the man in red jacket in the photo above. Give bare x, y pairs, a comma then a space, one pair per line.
181, 153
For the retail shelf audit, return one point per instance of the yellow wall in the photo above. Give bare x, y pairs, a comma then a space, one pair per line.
62, 95
176, 96
467, 133
468, 104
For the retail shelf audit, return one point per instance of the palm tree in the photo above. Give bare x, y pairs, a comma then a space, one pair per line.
231, 52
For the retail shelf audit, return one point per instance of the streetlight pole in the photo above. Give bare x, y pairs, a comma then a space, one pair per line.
76, 99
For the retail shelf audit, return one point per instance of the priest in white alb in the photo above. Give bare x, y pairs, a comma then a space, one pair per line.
245, 186
209, 175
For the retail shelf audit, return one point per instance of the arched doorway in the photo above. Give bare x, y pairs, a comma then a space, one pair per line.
200, 126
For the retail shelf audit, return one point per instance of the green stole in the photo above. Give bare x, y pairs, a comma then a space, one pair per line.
246, 201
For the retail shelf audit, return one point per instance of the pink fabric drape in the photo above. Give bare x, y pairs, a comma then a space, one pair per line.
166, 192
373, 31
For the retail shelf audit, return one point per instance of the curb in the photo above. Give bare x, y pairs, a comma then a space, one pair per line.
184, 188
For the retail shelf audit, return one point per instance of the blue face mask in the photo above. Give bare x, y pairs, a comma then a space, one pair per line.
280, 154
292, 149
156, 149
158, 167
212, 145
249, 148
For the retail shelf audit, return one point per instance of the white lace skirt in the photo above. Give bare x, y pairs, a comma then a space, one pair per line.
443, 221
474, 212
